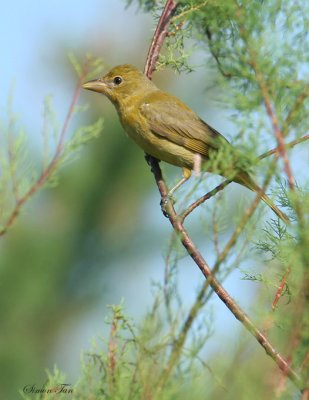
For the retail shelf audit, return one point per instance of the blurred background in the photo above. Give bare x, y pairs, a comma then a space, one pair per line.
99, 236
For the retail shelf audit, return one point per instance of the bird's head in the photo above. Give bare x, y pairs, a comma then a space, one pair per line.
120, 83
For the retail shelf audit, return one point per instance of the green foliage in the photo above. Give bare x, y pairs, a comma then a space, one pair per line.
176, 54
131, 363
87, 68
147, 5
243, 39
258, 49
20, 176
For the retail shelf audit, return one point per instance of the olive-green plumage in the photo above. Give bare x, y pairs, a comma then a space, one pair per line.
165, 127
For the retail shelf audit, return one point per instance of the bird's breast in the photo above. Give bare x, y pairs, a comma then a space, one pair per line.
138, 130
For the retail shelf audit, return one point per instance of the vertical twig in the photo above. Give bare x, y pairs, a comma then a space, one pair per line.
159, 36
112, 350
276, 129
281, 287
262, 84
13, 163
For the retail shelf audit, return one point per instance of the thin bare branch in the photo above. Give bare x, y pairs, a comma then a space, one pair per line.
177, 223
213, 282
278, 133
262, 84
204, 198
159, 36
222, 185
112, 352
246, 216
13, 163
216, 55
276, 129
51, 167
287, 145
180, 341
298, 102
280, 288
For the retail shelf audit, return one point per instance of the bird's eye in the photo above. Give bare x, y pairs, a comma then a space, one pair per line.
117, 80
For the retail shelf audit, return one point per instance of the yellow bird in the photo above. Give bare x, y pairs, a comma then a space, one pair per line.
166, 128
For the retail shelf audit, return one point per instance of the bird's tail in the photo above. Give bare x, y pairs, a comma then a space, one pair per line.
244, 179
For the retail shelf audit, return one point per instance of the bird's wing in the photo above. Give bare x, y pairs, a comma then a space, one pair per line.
168, 117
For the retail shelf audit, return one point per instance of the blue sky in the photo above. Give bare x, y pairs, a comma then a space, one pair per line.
31, 33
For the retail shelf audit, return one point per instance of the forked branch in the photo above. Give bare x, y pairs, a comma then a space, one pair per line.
177, 221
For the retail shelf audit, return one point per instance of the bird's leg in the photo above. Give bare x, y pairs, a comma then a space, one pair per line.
197, 164
186, 172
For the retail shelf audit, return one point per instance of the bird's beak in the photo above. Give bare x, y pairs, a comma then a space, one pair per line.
96, 85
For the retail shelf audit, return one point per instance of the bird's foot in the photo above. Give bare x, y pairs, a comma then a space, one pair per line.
149, 160
165, 202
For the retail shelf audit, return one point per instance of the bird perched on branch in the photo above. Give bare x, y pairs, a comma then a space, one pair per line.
167, 129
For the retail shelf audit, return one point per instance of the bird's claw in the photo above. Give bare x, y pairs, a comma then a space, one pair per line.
163, 204
148, 159
165, 201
